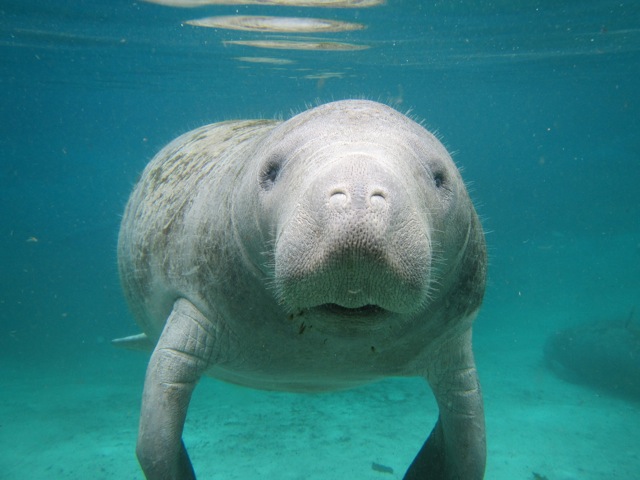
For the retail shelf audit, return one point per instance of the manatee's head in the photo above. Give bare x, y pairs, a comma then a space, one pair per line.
359, 212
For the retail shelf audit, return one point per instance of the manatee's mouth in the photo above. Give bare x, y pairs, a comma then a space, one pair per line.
363, 311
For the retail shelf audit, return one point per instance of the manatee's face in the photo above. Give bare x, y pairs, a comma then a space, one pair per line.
361, 211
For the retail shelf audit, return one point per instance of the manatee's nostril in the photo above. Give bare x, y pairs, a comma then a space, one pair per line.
338, 198
378, 199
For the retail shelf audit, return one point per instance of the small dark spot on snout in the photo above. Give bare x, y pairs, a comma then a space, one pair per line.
294, 315
373, 349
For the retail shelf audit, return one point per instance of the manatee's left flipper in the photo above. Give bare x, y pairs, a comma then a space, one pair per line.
456, 448
179, 359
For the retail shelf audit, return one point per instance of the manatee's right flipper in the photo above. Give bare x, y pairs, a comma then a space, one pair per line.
456, 448
179, 359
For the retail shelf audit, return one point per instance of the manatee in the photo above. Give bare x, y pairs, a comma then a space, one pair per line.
603, 354
327, 251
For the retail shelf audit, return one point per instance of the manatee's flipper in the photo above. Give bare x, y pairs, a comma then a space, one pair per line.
456, 448
134, 342
179, 359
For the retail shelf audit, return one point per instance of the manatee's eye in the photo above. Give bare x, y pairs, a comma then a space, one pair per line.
270, 173
438, 178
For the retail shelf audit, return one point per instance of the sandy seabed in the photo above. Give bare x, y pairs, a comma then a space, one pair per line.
79, 421
75, 416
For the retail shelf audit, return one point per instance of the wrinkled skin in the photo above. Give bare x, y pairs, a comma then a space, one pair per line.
327, 251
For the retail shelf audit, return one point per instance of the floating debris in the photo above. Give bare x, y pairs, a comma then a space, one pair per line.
292, 45
268, 60
289, 3
378, 467
275, 24
324, 76
538, 476
180, 3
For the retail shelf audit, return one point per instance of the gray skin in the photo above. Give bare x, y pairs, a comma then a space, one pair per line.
331, 250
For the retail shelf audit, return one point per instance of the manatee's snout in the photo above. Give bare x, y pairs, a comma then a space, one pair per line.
352, 206
356, 243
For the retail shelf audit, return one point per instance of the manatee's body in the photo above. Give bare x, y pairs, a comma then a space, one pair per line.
334, 249
605, 355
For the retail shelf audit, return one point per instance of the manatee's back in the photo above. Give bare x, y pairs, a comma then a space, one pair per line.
157, 231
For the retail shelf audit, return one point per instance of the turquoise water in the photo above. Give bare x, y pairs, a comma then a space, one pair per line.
538, 100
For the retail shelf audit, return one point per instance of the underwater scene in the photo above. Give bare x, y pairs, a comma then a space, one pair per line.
536, 101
